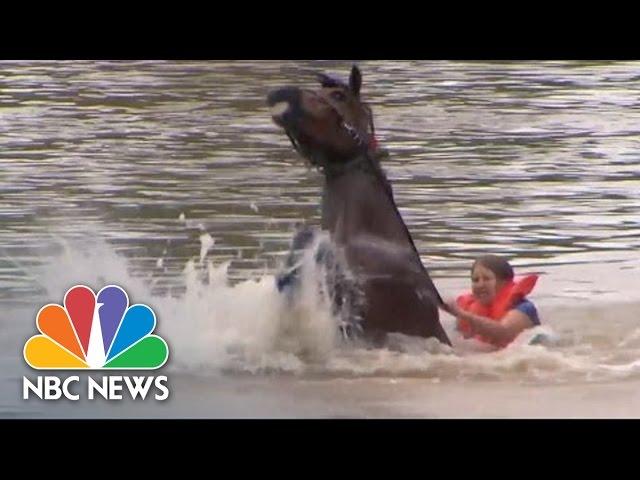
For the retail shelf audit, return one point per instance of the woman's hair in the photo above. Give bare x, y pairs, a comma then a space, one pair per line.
497, 265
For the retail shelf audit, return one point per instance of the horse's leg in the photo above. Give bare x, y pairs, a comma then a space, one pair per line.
335, 283
289, 275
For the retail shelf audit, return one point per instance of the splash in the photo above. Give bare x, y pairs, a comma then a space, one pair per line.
213, 326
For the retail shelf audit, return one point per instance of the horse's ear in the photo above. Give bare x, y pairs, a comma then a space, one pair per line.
355, 80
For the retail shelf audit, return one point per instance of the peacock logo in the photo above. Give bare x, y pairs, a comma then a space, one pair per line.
96, 332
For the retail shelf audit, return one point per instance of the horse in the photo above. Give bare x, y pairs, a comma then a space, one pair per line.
333, 129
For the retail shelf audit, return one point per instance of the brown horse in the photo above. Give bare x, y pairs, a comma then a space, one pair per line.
333, 129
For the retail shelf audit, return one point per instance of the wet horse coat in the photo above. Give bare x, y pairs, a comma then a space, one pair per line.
333, 129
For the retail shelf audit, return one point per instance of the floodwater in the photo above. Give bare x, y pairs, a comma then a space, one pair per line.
169, 179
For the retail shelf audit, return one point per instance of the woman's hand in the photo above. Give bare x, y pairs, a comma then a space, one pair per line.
451, 307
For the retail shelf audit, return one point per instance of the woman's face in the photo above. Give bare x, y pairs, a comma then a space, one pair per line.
484, 284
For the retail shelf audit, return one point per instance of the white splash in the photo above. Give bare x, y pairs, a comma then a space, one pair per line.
206, 243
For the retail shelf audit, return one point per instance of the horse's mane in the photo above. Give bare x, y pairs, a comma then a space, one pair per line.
386, 185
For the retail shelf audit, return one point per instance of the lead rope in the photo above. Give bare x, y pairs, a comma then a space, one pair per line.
293, 142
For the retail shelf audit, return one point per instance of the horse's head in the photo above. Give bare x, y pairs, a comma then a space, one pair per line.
330, 125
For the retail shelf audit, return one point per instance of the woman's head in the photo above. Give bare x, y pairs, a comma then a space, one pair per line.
488, 274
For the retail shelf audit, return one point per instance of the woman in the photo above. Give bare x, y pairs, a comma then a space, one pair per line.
496, 311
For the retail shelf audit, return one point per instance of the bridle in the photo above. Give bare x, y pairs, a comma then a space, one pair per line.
364, 145
354, 133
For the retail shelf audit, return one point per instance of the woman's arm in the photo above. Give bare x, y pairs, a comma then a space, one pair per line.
503, 331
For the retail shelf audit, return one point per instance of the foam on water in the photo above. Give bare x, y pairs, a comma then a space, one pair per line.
215, 327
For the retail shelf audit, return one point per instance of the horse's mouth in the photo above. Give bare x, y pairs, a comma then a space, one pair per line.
279, 108
283, 115
284, 105
278, 111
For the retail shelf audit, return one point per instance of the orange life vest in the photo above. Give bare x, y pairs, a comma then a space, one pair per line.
508, 296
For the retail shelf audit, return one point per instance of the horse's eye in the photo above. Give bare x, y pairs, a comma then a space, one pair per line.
339, 96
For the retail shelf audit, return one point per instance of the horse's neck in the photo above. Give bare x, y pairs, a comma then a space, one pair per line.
361, 203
